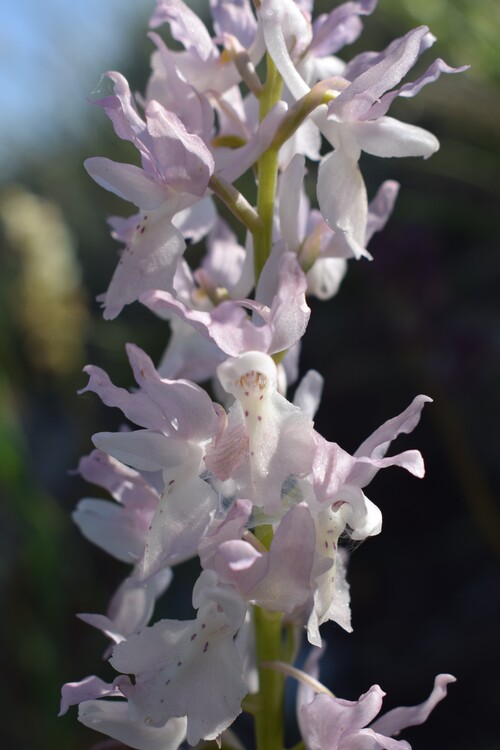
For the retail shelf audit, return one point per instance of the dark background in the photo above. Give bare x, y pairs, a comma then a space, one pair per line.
423, 317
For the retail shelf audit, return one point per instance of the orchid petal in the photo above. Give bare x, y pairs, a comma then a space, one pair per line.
231, 527
332, 32
91, 687
280, 436
125, 485
185, 406
278, 580
87, 689
281, 18
367, 739
331, 599
183, 516
327, 722
362, 516
343, 201
341, 26
268, 283
325, 277
229, 450
389, 137
234, 18
308, 393
121, 109
115, 720
131, 607
120, 533
225, 258
138, 407
355, 101
185, 26
195, 222
127, 181
188, 669
148, 262
411, 460
289, 201
289, 311
306, 141
182, 160
331, 467
431, 75
142, 449
227, 325
189, 354
241, 159
394, 721
380, 208
377, 444
175, 407
104, 624
233, 331
411, 89
171, 90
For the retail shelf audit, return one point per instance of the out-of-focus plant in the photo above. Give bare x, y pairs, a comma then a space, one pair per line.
46, 298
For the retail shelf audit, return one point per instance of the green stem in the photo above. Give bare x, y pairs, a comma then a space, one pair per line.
267, 168
269, 716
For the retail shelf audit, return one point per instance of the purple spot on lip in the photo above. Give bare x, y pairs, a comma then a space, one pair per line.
205, 648
246, 413
203, 626
193, 636
259, 418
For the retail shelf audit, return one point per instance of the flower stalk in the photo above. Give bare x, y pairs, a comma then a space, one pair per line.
269, 718
236, 203
267, 173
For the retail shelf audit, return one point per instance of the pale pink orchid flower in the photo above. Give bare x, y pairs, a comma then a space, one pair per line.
329, 723
355, 120
114, 717
179, 420
188, 668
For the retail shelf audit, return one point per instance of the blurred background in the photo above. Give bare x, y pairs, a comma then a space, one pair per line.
424, 317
